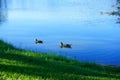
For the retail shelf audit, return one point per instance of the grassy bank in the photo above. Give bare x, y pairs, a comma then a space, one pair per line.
16, 64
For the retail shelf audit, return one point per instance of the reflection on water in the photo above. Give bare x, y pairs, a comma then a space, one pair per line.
94, 37
117, 12
3, 11
118, 7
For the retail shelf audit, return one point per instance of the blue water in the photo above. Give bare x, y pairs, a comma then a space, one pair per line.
94, 37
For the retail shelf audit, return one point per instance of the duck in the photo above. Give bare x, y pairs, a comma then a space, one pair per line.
38, 41
65, 45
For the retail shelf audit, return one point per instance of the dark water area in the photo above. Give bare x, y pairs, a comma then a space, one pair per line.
94, 37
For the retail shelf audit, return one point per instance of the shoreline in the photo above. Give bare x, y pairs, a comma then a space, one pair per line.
27, 65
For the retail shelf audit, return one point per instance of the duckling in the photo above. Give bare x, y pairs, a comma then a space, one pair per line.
38, 41
65, 45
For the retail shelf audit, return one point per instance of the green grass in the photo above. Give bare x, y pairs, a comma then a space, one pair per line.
16, 64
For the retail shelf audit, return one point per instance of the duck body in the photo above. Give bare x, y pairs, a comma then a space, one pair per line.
38, 41
65, 45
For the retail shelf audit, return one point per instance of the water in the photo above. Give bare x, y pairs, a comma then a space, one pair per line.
94, 37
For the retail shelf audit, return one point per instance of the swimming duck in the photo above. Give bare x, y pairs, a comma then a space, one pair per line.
38, 41
65, 45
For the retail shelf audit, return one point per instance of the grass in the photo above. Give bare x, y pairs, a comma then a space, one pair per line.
16, 64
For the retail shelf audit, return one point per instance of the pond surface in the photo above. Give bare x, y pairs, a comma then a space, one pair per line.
94, 37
